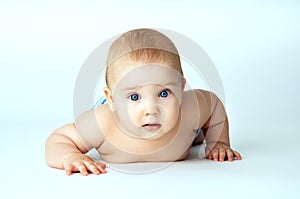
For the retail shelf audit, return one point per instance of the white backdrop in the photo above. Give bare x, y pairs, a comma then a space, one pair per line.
255, 46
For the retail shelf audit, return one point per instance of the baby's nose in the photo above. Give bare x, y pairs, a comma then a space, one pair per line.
152, 110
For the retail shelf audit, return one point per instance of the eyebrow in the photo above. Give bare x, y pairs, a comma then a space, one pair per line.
165, 84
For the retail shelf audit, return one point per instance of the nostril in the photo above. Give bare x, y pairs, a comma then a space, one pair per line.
153, 110
152, 113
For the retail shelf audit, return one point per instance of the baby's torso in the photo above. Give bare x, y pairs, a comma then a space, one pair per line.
119, 147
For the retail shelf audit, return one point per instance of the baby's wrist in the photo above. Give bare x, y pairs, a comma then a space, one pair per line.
69, 158
217, 142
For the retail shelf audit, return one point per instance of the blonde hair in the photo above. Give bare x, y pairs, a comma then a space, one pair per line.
142, 46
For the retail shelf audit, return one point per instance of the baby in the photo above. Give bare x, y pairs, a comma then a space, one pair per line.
148, 115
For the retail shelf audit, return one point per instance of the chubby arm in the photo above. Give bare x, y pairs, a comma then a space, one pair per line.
216, 130
65, 150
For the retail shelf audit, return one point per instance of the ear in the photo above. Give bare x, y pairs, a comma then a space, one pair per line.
183, 82
108, 96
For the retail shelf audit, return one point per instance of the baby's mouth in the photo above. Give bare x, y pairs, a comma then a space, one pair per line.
151, 127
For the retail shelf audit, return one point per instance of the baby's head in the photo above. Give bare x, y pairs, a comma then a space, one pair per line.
144, 83
138, 47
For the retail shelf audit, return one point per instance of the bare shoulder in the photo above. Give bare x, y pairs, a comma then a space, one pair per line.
103, 115
97, 116
90, 126
64, 128
199, 103
197, 96
209, 97
105, 119
67, 130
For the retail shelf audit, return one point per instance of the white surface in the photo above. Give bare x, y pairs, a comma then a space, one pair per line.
268, 170
254, 45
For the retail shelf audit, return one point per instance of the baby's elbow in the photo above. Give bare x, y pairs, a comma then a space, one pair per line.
48, 144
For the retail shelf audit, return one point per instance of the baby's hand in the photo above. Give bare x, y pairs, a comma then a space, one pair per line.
221, 152
83, 163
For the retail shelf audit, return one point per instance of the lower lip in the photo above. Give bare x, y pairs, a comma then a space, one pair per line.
152, 127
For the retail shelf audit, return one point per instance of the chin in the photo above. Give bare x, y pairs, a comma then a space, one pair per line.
156, 135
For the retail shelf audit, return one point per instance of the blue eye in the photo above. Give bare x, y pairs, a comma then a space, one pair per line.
134, 97
164, 93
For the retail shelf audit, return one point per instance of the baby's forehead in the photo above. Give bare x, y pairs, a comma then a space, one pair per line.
133, 76
146, 70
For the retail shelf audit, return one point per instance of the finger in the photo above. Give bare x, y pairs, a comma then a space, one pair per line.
209, 156
81, 167
100, 164
69, 169
237, 155
215, 154
208, 153
222, 154
229, 155
92, 167
101, 167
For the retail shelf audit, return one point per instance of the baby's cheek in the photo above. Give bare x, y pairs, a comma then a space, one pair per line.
172, 112
133, 115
